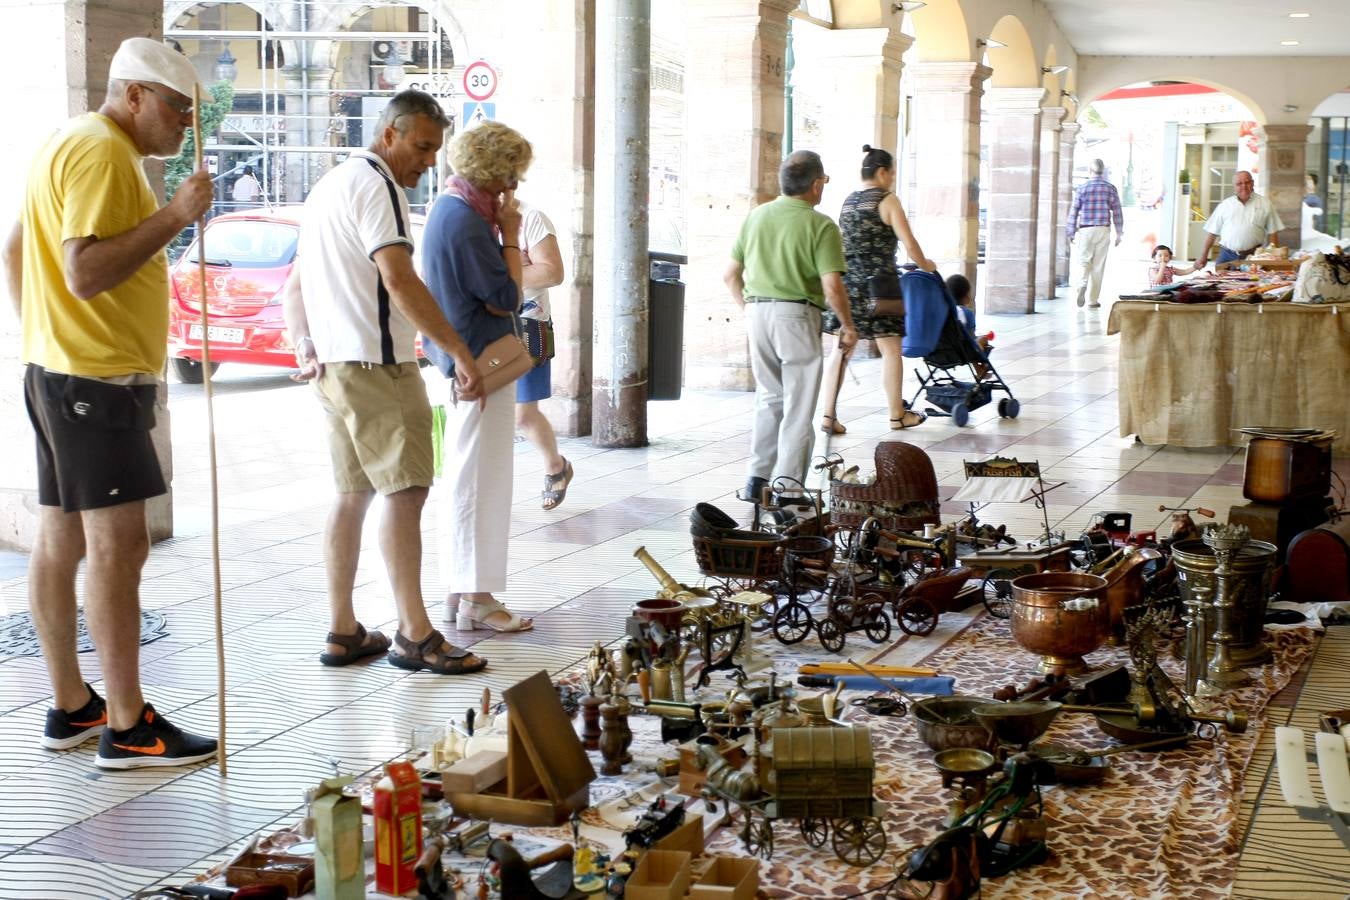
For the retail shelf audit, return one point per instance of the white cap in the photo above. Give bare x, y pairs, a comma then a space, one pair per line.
145, 59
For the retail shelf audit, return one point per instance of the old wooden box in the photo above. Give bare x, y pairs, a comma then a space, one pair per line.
1280, 470
660, 875
548, 775
294, 873
687, 838
728, 878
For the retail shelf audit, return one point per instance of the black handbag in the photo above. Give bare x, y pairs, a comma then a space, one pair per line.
887, 299
538, 337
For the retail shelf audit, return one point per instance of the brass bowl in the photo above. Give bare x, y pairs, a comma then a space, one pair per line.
964, 763
1049, 620
947, 723
1018, 723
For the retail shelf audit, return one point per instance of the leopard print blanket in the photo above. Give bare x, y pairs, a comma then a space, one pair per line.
1159, 825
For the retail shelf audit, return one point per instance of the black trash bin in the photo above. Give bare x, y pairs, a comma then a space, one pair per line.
665, 326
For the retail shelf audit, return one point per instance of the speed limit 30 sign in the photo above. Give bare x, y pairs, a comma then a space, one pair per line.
480, 80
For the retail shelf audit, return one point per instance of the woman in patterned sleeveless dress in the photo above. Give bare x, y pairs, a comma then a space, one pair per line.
872, 223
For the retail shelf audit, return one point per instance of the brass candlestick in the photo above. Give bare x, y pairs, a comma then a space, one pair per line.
1224, 540
1197, 642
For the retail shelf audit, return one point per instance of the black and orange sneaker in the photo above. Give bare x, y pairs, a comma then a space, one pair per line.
66, 730
153, 741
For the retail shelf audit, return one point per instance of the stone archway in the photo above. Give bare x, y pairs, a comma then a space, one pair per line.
1016, 64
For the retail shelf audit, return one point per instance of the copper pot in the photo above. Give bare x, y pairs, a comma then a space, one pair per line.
1125, 585
667, 612
1060, 616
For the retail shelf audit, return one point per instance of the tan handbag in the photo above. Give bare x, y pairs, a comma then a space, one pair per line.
502, 362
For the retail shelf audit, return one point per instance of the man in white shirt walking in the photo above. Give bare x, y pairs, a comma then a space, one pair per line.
1241, 223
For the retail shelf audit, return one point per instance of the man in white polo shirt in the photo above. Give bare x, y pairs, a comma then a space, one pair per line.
353, 306
1241, 223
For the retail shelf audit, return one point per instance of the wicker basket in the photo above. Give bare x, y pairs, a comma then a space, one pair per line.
904, 496
725, 558
819, 550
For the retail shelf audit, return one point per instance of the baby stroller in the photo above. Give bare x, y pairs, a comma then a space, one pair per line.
935, 333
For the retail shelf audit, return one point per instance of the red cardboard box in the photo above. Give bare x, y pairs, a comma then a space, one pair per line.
398, 828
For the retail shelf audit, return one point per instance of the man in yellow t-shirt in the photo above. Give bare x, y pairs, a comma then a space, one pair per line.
86, 270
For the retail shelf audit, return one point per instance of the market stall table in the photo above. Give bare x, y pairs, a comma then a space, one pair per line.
1190, 374
1158, 824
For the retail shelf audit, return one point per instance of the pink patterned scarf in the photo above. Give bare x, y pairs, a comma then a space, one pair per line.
479, 200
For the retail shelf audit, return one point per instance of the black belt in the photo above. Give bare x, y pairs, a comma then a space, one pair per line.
1243, 253
776, 300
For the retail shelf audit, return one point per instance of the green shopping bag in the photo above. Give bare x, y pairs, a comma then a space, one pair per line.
438, 435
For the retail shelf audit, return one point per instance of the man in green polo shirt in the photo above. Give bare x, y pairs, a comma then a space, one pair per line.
787, 263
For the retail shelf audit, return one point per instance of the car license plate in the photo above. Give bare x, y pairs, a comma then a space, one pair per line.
223, 335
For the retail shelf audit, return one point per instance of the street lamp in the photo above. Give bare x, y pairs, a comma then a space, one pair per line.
226, 70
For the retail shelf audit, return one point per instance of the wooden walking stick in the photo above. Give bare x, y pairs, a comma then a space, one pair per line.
210, 440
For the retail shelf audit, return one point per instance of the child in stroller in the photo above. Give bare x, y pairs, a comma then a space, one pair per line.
936, 333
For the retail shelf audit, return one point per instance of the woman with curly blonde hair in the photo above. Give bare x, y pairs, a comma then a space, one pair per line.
471, 254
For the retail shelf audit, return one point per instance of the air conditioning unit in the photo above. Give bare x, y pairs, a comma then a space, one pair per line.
379, 50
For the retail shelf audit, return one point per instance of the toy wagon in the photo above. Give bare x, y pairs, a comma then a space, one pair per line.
822, 777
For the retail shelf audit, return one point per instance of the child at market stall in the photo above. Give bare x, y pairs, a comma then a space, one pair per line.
1162, 271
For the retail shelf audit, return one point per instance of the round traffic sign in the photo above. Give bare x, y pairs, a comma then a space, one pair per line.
480, 80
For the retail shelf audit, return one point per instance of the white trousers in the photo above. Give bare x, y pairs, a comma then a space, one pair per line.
785, 360
474, 493
1092, 245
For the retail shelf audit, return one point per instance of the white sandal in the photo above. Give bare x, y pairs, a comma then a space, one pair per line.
472, 615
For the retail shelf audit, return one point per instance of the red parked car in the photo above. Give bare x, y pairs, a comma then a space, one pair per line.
249, 255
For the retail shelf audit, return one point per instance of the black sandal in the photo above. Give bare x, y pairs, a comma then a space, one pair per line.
553, 495
426, 654
354, 646
898, 424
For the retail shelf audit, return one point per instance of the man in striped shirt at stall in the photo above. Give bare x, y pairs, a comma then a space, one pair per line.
1096, 207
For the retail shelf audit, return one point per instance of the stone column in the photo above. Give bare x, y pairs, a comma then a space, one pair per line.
945, 213
320, 111
1286, 151
1048, 236
67, 78
734, 91
1068, 141
1014, 176
622, 129
856, 73
294, 185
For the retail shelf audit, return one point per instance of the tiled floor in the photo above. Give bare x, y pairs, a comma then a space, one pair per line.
69, 830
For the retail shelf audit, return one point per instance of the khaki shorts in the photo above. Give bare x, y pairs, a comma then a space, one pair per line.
379, 426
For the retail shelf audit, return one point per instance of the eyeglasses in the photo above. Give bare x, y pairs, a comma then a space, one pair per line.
180, 108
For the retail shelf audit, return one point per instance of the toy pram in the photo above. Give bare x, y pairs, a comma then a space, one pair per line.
935, 333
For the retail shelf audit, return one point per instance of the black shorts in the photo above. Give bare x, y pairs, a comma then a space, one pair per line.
93, 440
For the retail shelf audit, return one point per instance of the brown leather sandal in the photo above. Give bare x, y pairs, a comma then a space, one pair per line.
427, 654
354, 646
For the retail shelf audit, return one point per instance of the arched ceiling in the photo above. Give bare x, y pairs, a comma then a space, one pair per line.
1203, 27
